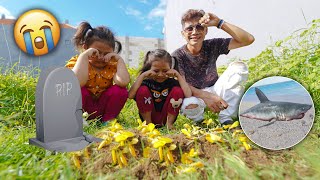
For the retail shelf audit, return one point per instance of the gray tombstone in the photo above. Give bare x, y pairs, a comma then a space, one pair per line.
59, 121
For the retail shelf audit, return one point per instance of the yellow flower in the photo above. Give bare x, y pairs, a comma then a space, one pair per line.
181, 170
123, 159
243, 138
238, 131
187, 133
134, 141
160, 151
161, 141
234, 125
226, 126
154, 133
147, 128
246, 145
114, 156
207, 121
187, 126
213, 138
169, 156
172, 147
86, 153
197, 164
146, 152
218, 130
76, 160
186, 157
105, 142
132, 150
114, 126
123, 135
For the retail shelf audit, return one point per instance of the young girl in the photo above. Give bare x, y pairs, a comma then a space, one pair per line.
159, 97
102, 73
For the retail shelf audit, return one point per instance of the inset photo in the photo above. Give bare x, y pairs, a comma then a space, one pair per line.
276, 113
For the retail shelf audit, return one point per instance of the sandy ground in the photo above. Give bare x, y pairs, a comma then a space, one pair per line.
279, 135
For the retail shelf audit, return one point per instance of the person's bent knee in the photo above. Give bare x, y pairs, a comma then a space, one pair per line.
143, 91
177, 91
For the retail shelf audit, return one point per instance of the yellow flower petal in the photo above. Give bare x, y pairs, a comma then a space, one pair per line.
76, 161
172, 147
103, 143
154, 133
207, 121
139, 122
114, 156
151, 126
197, 164
158, 143
246, 145
187, 126
188, 170
160, 151
218, 130
193, 153
86, 153
134, 141
238, 131
146, 152
213, 138
235, 124
132, 150
226, 126
186, 133
243, 138
169, 156
123, 159
122, 136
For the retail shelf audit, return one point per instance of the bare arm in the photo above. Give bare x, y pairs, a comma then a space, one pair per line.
80, 69
239, 36
134, 88
122, 77
183, 84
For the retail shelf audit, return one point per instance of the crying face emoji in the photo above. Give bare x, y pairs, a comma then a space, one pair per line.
36, 32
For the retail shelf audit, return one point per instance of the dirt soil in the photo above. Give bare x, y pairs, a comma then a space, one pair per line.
150, 168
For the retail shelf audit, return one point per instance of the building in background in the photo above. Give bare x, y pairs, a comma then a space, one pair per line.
132, 48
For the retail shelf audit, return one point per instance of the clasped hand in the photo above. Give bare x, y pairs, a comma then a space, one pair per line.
214, 102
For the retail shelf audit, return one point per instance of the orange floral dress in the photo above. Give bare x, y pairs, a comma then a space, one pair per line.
98, 81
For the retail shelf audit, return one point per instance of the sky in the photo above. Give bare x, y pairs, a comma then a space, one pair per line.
142, 18
267, 20
271, 80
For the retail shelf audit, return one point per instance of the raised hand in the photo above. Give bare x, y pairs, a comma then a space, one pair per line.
91, 54
110, 56
172, 73
209, 19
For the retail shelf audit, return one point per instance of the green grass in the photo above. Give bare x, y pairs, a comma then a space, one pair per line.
296, 57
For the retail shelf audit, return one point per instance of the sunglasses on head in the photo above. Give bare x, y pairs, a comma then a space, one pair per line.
190, 28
